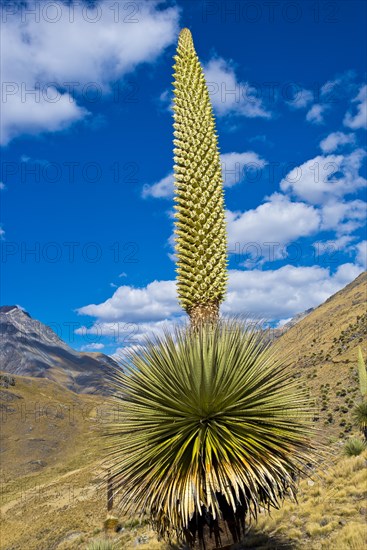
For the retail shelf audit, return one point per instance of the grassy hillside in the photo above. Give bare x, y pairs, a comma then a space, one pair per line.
322, 349
331, 513
50, 463
51, 452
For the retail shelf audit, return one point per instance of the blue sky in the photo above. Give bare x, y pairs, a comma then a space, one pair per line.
86, 143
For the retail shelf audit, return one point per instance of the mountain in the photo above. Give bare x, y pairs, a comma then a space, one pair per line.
296, 319
322, 349
30, 348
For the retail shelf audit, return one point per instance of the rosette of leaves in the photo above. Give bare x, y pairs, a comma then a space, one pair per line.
211, 427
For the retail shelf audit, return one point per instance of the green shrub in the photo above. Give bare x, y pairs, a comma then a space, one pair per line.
354, 447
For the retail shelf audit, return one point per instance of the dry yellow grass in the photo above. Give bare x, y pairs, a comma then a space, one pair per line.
331, 513
49, 463
328, 505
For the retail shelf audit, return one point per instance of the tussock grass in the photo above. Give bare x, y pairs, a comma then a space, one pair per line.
326, 510
352, 536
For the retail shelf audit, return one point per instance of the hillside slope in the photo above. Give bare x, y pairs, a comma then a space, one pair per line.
322, 349
51, 453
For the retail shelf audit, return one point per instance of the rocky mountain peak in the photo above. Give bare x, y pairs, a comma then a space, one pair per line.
14, 309
31, 348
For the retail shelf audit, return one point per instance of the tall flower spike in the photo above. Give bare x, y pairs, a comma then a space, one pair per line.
200, 228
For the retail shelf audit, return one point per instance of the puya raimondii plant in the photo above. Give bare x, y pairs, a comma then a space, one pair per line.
360, 411
211, 425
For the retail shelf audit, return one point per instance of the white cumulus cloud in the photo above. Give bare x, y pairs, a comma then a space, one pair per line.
282, 293
359, 119
229, 95
361, 249
301, 99
326, 177
94, 346
155, 302
343, 217
279, 221
272, 295
315, 114
237, 167
161, 189
333, 247
336, 140
52, 66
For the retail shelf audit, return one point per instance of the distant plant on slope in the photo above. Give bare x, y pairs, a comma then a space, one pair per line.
360, 411
354, 447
